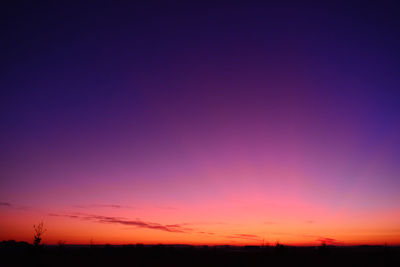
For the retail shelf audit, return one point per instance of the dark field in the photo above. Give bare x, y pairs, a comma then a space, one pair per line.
23, 254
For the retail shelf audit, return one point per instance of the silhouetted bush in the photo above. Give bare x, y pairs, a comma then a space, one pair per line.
38, 232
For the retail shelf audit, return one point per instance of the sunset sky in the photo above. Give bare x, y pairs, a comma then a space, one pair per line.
201, 124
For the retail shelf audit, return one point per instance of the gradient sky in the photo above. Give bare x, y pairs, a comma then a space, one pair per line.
201, 124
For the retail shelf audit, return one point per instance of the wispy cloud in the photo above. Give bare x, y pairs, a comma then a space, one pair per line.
176, 228
245, 236
12, 206
111, 206
166, 208
206, 233
208, 223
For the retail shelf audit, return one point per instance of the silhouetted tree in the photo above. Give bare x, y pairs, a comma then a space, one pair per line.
38, 233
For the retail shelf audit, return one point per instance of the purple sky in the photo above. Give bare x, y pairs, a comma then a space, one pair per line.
197, 106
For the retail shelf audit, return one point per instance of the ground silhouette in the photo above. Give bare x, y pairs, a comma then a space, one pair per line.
23, 254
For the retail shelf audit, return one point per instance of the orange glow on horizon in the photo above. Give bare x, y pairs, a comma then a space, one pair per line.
287, 225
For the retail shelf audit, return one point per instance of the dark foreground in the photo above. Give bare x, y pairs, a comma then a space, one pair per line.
23, 254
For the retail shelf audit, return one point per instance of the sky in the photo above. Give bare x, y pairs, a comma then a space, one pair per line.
235, 123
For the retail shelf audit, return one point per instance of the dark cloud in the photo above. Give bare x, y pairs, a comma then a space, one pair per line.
6, 204
329, 241
66, 215
326, 240
176, 228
